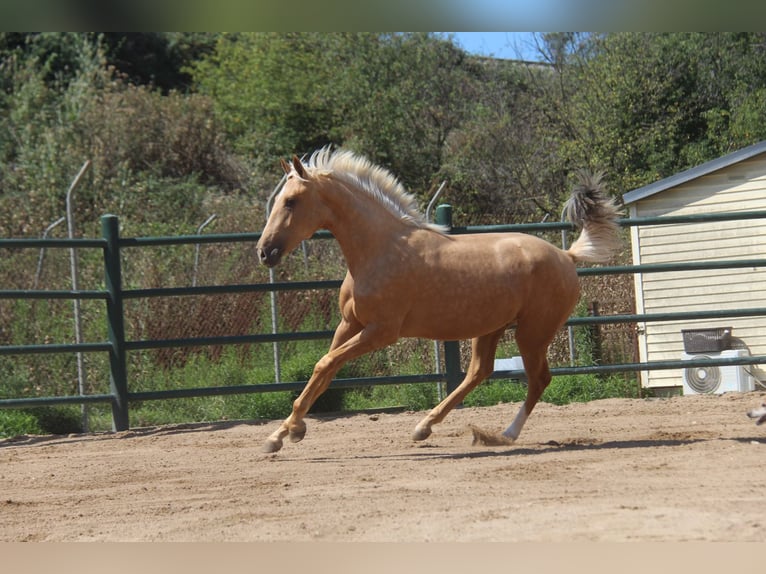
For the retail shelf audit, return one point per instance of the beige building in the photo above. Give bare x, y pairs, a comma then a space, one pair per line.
732, 183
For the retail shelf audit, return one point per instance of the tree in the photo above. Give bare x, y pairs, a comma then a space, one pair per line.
646, 105
502, 162
393, 97
265, 89
158, 59
410, 93
136, 138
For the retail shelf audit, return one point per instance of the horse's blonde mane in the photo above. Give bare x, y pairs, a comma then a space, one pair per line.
377, 182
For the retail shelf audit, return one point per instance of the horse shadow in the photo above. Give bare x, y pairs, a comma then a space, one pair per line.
426, 453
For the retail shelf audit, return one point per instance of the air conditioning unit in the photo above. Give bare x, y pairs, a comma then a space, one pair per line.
717, 379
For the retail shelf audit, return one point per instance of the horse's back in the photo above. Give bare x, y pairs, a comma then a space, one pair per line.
468, 285
506, 258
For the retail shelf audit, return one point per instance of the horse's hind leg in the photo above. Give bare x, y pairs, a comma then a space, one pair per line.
481, 366
533, 352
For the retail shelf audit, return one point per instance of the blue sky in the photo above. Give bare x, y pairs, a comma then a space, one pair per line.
509, 45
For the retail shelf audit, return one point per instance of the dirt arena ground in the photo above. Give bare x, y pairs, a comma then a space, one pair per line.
679, 469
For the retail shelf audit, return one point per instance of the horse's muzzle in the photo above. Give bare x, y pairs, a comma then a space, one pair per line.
270, 257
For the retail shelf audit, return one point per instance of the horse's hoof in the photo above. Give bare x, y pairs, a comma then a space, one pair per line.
271, 445
421, 433
297, 434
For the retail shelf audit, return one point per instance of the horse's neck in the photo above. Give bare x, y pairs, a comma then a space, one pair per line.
364, 229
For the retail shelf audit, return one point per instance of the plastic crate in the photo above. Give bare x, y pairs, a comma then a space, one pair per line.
711, 340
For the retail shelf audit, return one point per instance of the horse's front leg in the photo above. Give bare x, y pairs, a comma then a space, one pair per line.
294, 425
350, 341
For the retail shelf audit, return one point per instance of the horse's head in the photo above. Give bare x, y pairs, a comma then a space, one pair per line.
296, 214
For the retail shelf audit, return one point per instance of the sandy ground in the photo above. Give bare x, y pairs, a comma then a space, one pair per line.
679, 469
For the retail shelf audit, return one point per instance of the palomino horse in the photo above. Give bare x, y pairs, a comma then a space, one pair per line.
408, 278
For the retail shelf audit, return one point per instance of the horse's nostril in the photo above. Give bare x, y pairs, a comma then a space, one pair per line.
268, 258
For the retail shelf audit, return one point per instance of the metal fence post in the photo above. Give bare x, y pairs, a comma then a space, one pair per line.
452, 372
272, 294
118, 378
444, 214
202, 226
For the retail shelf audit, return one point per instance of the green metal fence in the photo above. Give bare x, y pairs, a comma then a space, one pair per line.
117, 347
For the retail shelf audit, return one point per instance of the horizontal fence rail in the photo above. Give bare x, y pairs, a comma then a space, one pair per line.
116, 346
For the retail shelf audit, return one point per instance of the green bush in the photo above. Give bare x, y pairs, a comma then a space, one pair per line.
231, 368
299, 366
58, 420
15, 422
208, 409
495, 392
414, 397
138, 140
584, 388
561, 391
40, 420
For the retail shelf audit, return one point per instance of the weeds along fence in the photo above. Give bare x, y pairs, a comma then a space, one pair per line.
127, 318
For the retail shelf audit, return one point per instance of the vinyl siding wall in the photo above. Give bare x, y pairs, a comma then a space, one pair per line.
740, 187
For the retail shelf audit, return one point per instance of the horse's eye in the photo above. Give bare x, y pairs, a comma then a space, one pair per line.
289, 203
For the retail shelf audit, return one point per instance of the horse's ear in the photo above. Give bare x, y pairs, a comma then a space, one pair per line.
299, 169
285, 165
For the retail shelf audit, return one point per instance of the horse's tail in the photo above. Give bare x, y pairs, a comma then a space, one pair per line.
596, 215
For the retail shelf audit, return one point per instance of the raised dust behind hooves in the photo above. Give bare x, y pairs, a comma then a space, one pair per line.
488, 438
